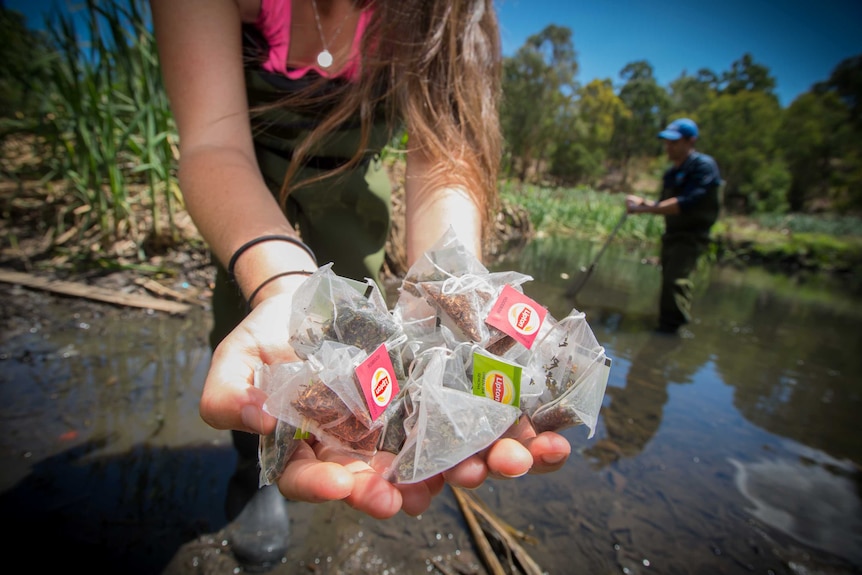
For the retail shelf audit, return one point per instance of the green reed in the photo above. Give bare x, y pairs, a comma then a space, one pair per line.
580, 212
107, 120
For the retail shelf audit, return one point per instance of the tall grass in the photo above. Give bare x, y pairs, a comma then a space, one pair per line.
107, 119
580, 212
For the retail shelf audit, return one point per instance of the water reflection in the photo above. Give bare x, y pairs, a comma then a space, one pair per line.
632, 413
763, 396
105, 461
816, 502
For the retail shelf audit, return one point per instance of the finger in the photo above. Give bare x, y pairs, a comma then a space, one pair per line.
416, 497
229, 399
508, 458
371, 493
549, 451
469, 473
307, 479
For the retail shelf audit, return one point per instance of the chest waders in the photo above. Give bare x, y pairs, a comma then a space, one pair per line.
344, 219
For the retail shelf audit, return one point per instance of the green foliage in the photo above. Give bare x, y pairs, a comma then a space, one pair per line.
738, 130
767, 190
688, 94
647, 103
108, 122
813, 132
745, 75
581, 152
579, 212
23, 53
537, 84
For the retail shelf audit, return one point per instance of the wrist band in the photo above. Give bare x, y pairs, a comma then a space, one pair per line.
271, 279
280, 237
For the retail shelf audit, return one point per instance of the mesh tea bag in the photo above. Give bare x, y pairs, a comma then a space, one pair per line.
448, 424
275, 449
570, 369
324, 398
328, 307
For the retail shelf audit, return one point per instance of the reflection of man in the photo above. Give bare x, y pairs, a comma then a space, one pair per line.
689, 203
634, 414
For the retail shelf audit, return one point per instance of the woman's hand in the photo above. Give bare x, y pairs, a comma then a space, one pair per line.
518, 452
316, 473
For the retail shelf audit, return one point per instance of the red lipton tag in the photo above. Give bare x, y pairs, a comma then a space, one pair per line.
377, 381
517, 315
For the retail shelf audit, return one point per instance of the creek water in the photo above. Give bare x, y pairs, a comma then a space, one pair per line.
731, 449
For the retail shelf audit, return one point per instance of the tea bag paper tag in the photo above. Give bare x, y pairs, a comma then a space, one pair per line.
517, 315
376, 378
496, 379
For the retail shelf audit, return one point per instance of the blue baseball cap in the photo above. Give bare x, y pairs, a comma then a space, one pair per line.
682, 128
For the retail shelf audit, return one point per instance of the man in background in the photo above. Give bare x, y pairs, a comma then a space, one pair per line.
689, 203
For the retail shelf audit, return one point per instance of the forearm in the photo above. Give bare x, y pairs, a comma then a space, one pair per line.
230, 205
667, 207
432, 207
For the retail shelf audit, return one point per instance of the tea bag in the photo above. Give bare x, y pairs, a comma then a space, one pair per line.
570, 370
448, 424
275, 449
328, 307
325, 399
448, 257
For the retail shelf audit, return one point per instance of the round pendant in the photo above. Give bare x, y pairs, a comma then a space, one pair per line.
324, 59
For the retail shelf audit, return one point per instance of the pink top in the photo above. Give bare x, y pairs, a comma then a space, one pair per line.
274, 23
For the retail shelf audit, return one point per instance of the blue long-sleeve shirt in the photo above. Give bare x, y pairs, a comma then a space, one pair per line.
695, 185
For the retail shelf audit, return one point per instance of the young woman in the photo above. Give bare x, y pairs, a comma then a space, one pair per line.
281, 107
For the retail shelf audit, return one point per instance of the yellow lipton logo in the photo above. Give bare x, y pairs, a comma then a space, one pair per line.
381, 387
499, 387
523, 318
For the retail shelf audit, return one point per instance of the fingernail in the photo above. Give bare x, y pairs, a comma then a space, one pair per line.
553, 459
252, 417
523, 473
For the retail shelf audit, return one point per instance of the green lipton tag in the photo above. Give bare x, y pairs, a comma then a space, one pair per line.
496, 379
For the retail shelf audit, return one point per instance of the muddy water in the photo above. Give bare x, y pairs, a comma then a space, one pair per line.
732, 449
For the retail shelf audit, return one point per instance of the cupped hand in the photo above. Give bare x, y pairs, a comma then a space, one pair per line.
521, 450
314, 473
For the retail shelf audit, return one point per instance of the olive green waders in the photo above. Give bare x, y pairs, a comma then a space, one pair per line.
680, 254
344, 219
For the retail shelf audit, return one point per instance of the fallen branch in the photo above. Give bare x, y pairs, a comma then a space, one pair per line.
488, 556
158, 289
92, 292
470, 506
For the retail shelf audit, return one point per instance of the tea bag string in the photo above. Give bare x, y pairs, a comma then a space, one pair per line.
466, 282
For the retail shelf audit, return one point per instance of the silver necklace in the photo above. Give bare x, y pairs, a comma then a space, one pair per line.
324, 57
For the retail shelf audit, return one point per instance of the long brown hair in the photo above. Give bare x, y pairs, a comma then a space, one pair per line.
434, 65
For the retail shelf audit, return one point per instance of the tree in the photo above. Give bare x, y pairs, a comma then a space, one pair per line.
846, 82
739, 131
24, 55
537, 86
647, 104
745, 75
580, 155
844, 127
811, 134
688, 94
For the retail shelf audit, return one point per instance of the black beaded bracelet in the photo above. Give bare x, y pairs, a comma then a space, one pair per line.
271, 279
273, 237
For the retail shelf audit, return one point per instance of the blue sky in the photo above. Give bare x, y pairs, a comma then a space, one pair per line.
800, 41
